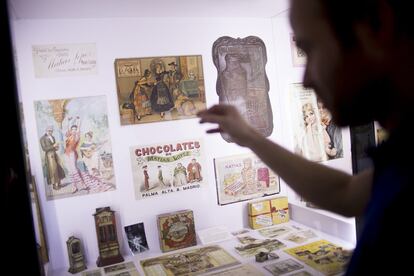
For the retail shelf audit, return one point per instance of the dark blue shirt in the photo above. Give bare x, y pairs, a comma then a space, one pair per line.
387, 241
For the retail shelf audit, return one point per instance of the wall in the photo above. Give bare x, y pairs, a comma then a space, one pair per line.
123, 38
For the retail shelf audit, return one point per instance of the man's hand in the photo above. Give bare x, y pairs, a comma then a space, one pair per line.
229, 121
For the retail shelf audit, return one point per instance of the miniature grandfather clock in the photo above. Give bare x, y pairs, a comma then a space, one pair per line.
76, 258
107, 238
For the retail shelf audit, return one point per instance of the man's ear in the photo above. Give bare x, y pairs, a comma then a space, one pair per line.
376, 41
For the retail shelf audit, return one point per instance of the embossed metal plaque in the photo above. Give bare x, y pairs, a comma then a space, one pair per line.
242, 80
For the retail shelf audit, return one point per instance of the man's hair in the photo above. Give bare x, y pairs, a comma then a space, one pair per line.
344, 13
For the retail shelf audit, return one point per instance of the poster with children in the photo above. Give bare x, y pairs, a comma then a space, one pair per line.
165, 168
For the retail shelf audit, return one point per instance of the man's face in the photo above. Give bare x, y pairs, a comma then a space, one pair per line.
344, 78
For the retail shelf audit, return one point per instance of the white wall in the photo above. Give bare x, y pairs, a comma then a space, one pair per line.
123, 38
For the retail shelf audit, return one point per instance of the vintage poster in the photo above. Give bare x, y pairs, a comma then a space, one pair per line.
243, 177
283, 267
154, 89
75, 146
176, 230
137, 240
273, 232
242, 80
243, 270
323, 256
58, 60
166, 168
298, 55
190, 262
316, 137
251, 246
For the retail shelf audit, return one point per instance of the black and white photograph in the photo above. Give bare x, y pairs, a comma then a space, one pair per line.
137, 241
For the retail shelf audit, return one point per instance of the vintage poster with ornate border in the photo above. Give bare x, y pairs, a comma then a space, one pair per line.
170, 167
154, 89
190, 262
75, 146
243, 177
242, 80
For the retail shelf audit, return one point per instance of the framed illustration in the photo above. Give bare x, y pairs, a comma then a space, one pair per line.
243, 177
190, 262
316, 137
154, 89
242, 80
75, 146
166, 168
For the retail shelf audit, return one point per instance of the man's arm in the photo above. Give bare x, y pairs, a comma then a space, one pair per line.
328, 188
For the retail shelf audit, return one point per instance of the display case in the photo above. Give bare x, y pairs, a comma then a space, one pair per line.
84, 159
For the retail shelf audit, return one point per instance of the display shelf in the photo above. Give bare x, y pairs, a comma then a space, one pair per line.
229, 246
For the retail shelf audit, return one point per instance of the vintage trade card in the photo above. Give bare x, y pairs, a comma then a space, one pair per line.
252, 248
243, 177
273, 232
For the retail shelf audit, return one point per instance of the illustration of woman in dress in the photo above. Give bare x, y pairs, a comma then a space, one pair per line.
90, 154
313, 139
161, 99
79, 176
140, 95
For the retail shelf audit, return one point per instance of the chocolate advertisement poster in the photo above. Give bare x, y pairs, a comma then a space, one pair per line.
169, 167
